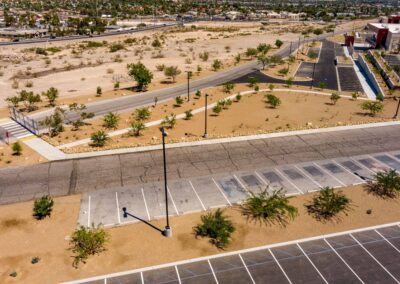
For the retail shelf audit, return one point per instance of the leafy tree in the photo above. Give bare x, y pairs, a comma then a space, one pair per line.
42, 207
54, 122
169, 121
385, 184
111, 120
278, 43
334, 98
17, 149
88, 241
327, 204
217, 109
273, 101
263, 48
251, 52
275, 59
354, 95
51, 95
372, 107
178, 101
269, 208
217, 64
292, 58
264, 60
137, 127
142, 113
188, 114
228, 87
141, 75
172, 72
13, 100
217, 227
99, 138
29, 99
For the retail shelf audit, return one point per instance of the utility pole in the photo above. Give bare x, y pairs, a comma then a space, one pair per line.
189, 74
167, 230
313, 72
205, 118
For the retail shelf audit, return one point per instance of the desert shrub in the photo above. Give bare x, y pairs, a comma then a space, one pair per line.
94, 44
204, 55
283, 71
28, 84
17, 149
385, 184
178, 101
116, 47
334, 98
111, 120
270, 208
252, 81
51, 94
238, 97
272, 100
251, 52
198, 94
98, 91
136, 128
188, 114
156, 43
217, 64
88, 241
322, 85
160, 67
228, 87
116, 85
172, 72
42, 207
217, 109
169, 121
217, 227
142, 113
372, 107
327, 204
278, 43
99, 138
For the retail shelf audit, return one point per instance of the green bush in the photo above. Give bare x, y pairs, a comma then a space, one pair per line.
137, 127
372, 107
334, 98
142, 113
198, 94
99, 138
385, 184
17, 149
169, 121
217, 64
178, 101
217, 109
140, 74
86, 242
269, 208
111, 120
217, 227
273, 101
327, 204
116, 47
188, 114
42, 207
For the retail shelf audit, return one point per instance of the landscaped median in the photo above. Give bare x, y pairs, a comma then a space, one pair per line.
138, 245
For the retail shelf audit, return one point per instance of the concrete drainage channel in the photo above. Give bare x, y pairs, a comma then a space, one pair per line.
201, 193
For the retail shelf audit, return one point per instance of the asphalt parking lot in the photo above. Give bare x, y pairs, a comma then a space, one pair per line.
369, 255
147, 201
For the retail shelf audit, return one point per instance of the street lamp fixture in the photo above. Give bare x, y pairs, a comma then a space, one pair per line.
167, 230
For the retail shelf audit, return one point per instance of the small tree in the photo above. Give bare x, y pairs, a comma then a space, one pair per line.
372, 107
272, 100
54, 122
99, 138
217, 109
140, 74
137, 127
385, 184
13, 100
217, 227
172, 72
327, 204
264, 60
264, 48
99, 91
29, 99
251, 52
42, 207
178, 101
269, 208
334, 98
169, 121
142, 113
111, 120
88, 241
51, 95
188, 114
228, 87
217, 64
17, 149
278, 43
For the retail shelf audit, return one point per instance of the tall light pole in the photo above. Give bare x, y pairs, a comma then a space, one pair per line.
313, 72
205, 117
189, 74
167, 230
397, 109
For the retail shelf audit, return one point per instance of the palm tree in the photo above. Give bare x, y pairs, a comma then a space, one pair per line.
385, 184
269, 208
99, 138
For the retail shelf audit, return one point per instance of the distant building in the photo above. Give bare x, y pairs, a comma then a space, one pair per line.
384, 35
19, 33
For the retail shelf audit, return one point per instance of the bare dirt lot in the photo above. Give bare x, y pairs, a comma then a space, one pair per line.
137, 245
27, 157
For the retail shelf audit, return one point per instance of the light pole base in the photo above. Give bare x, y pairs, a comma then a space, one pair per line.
205, 135
167, 232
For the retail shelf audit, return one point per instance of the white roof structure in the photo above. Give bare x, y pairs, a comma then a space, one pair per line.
393, 28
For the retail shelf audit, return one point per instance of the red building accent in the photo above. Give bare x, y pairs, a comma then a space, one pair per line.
394, 19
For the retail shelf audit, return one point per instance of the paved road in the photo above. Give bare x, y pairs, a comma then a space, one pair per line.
69, 177
147, 98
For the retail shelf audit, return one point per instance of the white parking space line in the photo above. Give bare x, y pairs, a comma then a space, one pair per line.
277, 262
141, 277
370, 254
307, 175
88, 222
118, 215
212, 270
383, 237
245, 266
393, 156
241, 184
262, 179
312, 263
173, 202
361, 165
177, 273
222, 192
145, 204
344, 168
341, 258
198, 197
283, 176
329, 174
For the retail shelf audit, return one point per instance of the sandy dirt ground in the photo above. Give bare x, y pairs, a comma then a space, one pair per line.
297, 111
28, 156
137, 245
83, 69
